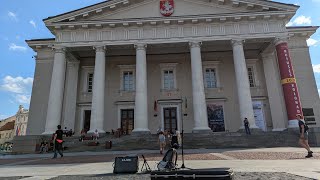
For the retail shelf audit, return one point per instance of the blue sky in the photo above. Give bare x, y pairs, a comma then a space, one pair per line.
22, 19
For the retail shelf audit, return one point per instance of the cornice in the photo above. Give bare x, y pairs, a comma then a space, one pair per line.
113, 5
188, 19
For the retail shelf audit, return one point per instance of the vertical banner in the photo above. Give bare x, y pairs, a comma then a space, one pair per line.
288, 81
215, 117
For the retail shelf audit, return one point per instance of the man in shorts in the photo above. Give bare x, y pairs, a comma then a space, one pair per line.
303, 140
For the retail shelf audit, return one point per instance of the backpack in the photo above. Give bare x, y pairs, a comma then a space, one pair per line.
169, 161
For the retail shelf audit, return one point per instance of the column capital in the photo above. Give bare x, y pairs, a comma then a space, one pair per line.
193, 44
59, 49
237, 42
100, 48
279, 40
140, 46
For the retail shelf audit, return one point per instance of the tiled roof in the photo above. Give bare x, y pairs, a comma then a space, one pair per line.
7, 126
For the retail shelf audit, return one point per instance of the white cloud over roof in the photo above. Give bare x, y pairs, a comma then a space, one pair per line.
15, 47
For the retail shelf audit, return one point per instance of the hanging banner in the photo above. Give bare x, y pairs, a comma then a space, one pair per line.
215, 117
288, 81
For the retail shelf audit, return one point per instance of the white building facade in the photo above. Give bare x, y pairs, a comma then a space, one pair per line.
141, 65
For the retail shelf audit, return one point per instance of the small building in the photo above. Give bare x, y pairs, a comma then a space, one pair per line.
21, 121
7, 130
15, 125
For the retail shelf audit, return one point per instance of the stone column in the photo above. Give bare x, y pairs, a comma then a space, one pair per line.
198, 96
288, 81
243, 87
70, 96
56, 91
141, 99
275, 95
98, 91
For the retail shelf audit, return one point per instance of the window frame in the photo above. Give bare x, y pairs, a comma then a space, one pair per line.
211, 65
252, 63
169, 67
88, 81
85, 75
127, 68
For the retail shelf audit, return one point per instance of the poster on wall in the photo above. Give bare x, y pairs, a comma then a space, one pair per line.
216, 117
258, 114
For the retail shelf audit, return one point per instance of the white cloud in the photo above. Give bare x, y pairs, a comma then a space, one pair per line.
300, 20
312, 42
23, 98
2, 116
15, 47
12, 15
316, 68
289, 23
33, 23
18, 87
16, 84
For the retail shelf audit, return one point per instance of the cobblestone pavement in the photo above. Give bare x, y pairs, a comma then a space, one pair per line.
237, 176
157, 157
248, 164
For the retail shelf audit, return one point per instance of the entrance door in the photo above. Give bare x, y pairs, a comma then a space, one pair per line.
87, 118
258, 115
127, 120
170, 118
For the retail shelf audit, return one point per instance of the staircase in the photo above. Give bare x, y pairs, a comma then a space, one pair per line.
191, 141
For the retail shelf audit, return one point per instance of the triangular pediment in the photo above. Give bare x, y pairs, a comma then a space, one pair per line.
181, 8
133, 9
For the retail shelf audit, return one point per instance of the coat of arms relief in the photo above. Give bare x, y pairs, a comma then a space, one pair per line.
166, 7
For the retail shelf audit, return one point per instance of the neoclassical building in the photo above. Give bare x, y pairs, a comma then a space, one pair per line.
141, 65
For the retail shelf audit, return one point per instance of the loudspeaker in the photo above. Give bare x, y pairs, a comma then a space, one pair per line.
203, 174
128, 164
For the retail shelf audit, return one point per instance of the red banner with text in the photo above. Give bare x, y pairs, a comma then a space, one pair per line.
288, 81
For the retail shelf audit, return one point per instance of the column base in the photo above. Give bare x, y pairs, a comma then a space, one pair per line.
202, 130
293, 123
140, 131
91, 131
48, 132
251, 127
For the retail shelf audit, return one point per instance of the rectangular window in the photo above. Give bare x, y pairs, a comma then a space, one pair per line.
168, 80
90, 82
128, 81
210, 78
251, 77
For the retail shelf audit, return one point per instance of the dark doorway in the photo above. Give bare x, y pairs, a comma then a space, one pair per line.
170, 118
127, 120
87, 118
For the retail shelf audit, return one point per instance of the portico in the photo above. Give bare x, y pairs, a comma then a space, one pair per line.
128, 59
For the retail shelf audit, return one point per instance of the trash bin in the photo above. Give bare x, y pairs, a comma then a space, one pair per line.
108, 144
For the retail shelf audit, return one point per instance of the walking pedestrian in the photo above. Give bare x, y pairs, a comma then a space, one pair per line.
162, 141
57, 140
303, 140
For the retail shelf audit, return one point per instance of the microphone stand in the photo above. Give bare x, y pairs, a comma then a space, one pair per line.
182, 166
182, 139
